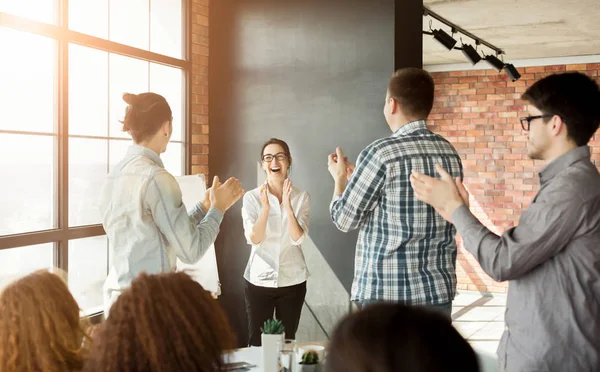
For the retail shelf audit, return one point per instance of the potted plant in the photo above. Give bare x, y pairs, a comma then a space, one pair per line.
272, 331
310, 362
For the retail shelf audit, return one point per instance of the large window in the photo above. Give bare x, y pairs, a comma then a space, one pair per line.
64, 68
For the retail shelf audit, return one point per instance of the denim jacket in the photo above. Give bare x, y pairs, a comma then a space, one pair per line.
147, 224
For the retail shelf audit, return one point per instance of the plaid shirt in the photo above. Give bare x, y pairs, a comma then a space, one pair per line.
405, 252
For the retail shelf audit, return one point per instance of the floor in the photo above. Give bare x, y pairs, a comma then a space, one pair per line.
479, 317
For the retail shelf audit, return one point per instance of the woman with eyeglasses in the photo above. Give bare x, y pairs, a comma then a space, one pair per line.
276, 217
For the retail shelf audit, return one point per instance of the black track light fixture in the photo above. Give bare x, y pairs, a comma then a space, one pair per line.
512, 72
443, 38
493, 61
471, 54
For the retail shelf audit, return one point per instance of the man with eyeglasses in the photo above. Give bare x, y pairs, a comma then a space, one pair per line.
552, 258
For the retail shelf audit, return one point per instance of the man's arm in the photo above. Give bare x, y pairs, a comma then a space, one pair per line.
353, 205
543, 231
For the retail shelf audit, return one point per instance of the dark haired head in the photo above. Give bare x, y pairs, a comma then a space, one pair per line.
413, 89
163, 322
394, 337
574, 97
146, 113
276, 141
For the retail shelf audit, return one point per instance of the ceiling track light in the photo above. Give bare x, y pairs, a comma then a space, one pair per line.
456, 29
470, 54
512, 72
493, 61
443, 38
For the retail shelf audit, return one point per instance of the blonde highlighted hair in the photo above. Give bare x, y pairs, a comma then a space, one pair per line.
40, 327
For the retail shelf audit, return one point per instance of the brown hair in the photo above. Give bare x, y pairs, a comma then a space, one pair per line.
163, 322
276, 141
395, 337
413, 89
145, 114
40, 329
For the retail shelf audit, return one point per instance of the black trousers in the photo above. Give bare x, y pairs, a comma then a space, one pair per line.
261, 302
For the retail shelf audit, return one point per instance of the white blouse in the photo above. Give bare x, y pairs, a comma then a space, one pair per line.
277, 261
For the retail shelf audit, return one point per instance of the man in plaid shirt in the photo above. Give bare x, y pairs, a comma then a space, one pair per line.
406, 252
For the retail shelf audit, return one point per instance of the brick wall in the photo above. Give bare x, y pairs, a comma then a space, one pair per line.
478, 112
199, 145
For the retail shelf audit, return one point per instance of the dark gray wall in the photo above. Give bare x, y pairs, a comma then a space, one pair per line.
313, 73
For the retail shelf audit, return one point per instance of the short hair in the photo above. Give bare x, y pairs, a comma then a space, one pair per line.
574, 97
40, 327
393, 337
163, 322
413, 89
145, 114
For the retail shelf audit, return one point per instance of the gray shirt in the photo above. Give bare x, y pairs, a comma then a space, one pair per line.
552, 259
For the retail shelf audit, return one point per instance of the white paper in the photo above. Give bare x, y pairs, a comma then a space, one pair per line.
204, 271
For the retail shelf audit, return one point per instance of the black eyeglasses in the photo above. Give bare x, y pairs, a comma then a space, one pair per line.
280, 156
526, 121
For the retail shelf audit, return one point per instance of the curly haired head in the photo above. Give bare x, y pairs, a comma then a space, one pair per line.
163, 322
40, 329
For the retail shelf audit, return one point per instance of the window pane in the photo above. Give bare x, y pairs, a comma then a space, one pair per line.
129, 22
88, 160
117, 150
173, 159
127, 75
27, 193
87, 271
27, 84
88, 91
89, 17
168, 82
166, 27
37, 10
17, 262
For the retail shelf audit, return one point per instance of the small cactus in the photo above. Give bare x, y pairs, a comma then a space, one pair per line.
272, 327
310, 357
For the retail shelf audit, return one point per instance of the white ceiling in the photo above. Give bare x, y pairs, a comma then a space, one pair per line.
523, 29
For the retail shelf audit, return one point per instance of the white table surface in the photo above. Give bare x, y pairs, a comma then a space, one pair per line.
253, 355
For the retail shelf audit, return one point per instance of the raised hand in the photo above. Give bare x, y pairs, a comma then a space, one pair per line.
264, 197
206, 202
225, 195
445, 194
337, 164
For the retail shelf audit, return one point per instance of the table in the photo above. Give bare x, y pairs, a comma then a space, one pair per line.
253, 355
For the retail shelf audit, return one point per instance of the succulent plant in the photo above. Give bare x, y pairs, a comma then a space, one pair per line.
272, 327
310, 357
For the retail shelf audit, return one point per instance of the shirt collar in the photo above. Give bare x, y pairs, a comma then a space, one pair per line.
562, 162
410, 127
144, 151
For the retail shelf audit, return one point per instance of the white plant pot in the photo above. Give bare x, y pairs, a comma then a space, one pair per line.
270, 352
